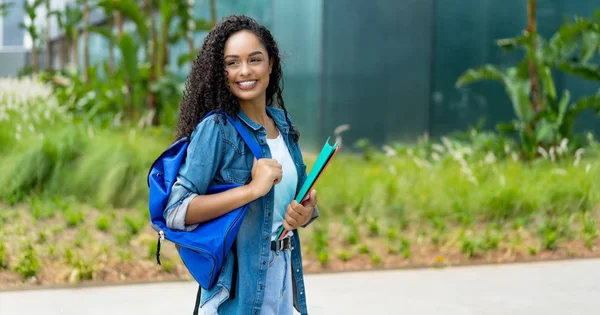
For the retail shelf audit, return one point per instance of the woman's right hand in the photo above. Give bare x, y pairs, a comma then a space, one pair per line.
265, 174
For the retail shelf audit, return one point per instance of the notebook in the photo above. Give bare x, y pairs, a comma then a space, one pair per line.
327, 153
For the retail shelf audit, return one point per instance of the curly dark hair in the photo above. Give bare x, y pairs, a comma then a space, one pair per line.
206, 86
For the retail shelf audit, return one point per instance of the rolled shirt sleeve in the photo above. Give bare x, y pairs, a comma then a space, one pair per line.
204, 155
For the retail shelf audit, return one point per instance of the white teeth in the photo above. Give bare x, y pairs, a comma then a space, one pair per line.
247, 83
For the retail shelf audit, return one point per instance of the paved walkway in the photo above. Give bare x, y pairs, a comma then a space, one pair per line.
564, 287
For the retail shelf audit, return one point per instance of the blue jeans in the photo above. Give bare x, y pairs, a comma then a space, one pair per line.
278, 291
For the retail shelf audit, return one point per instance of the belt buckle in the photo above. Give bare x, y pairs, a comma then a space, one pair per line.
284, 244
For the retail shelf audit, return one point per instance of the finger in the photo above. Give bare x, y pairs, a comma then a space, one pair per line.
308, 200
275, 168
287, 226
271, 162
277, 178
253, 170
295, 212
292, 222
312, 200
294, 204
275, 165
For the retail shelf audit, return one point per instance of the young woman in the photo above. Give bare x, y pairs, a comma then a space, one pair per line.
238, 71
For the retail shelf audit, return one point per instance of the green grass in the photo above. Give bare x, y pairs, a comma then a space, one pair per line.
103, 223
29, 264
405, 248
470, 199
450, 182
74, 217
3, 262
106, 170
442, 194
28, 110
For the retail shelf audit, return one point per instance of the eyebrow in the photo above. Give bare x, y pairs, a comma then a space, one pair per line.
250, 55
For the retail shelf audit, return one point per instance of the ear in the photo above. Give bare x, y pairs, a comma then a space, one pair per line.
270, 65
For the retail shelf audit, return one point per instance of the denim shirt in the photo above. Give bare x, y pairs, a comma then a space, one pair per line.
218, 155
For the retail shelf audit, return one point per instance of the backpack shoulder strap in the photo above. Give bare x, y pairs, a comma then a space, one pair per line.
250, 141
197, 303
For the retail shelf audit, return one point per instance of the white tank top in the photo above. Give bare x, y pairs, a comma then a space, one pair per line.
285, 190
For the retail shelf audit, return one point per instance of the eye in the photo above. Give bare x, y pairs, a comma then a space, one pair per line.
255, 60
231, 63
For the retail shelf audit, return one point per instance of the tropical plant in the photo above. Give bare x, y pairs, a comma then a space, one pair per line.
4, 6
47, 50
141, 86
32, 30
69, 22
85, 17
543, 117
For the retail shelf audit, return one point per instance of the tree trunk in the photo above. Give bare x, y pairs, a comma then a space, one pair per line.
164, 46
75, 47
47, 55
129, 97
34, 56
111, 46
190, 30
213, 13
119, 23
535, 94
151, 100
64, 51
86, 43
111, 58
161, 49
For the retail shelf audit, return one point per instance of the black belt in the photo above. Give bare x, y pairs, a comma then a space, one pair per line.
284, 244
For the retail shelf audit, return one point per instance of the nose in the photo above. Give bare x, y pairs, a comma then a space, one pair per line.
245, 70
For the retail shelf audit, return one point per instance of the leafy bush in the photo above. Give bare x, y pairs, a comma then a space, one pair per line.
133, 225
102, 223
454, 184
29, 265
74, 218
107, 168
545, 117
3, 260
28, 109
405, 247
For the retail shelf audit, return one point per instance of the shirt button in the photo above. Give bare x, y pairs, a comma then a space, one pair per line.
262, 286
269, 214
264, 262
297, 270
266, 238
255, 312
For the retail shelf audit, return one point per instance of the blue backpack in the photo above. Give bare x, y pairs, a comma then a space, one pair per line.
204, 249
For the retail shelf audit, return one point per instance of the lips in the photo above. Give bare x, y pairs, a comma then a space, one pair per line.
247, 85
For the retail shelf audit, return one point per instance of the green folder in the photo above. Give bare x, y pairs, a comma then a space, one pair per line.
327, 153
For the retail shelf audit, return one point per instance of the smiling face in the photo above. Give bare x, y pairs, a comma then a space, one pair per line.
247, 67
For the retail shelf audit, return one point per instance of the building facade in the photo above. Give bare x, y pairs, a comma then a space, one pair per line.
385, 67
13, 53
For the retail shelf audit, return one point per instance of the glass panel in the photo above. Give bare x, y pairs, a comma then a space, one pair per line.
297, 30
13, 34
376, 68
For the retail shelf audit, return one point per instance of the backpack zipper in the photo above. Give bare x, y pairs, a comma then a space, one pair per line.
161, 237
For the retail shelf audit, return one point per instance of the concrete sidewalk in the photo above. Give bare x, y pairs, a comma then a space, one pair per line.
562, 287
